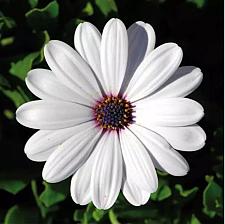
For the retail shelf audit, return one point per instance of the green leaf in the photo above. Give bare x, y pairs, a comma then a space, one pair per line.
16, 93
107, 7
194, 220
209, 178
54, 193
162, 193
21, 215
17, 96
4, 83
6, 23
183, 196
98, 214
186, 193
7, 41
88, 9
88, 215
213, 198
9, 114
45, 18
21, 67
211, 214
85, 216
78, 215
198, 3
33, 3
13, 186
113, 217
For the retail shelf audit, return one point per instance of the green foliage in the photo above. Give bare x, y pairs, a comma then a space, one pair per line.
198, 3
45, 18
54, 193
163, 192
6, 41
21, 215
6, 23
213, 198
33, 3
113, 217
17, 96
79, 216
13, 186
98, 214
183, 196
186, 193
21, 67
194, 220
107, 7
88, 9
87, 215
4, 83
8, 114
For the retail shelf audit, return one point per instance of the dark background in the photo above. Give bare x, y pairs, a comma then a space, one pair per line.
197, 26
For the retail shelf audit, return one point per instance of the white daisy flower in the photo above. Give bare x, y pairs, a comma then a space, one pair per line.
111, 112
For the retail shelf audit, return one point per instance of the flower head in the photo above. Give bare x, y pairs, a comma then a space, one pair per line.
111, 112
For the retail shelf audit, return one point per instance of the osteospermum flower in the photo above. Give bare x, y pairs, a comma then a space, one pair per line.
111, 112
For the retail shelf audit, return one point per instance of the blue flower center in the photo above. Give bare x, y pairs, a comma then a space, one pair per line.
113, 113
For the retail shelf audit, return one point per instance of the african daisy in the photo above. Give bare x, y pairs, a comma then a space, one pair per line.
111, 112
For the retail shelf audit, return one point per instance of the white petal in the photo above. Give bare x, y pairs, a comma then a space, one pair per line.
141, 37
71, 69
170, 160
44, 84
114, 53
43, 114
107, 171
71, 154
44, 142
134, 194
81, 180
154, 70
87, 41
138, 164
189, 138
168, 112
141, 41
183, 82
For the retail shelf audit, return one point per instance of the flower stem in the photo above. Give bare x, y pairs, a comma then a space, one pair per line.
38, 202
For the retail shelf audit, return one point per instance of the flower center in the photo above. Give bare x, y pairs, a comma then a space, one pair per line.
113, 113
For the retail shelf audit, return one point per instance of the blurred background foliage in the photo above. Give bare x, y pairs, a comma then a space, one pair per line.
25, 27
